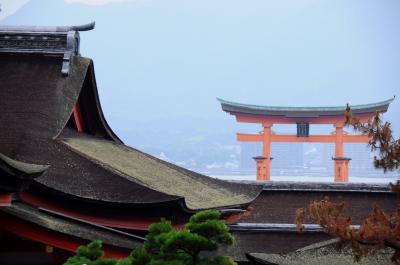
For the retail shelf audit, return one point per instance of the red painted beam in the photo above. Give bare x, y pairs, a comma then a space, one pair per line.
39, 234
125, 222
247, 137
294, 139
287, 138
249, 118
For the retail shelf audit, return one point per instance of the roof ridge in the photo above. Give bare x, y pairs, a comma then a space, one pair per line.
43, 29
387, 101
43, 40
302, 112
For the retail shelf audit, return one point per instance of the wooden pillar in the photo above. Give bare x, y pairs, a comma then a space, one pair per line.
341, 166
266, 152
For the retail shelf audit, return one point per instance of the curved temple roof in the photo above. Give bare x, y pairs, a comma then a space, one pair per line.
94, 166
21, 169
301, 112
16, 175
72, 227
199, 192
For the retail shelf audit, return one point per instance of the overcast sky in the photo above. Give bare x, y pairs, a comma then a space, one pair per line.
167, 59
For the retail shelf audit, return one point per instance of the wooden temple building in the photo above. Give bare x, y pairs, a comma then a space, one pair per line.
65, 176
267, 116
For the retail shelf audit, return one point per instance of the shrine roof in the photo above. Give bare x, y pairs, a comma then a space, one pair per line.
16, 175
21, 169
95, 166
198, 191
72, 227
302, 112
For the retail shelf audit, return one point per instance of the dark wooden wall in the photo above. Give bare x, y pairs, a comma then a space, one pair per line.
277, 206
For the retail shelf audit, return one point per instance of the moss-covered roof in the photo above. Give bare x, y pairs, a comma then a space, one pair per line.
199, 192
35, 111
25, 168
16, 175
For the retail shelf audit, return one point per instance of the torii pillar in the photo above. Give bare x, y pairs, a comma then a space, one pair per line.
341, 163
261, 170
266, 152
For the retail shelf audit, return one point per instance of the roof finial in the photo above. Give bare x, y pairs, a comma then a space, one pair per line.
44, 29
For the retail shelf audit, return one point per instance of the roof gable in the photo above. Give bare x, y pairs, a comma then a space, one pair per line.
37, 100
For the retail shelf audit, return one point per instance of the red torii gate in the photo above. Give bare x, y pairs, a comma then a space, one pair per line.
267, 116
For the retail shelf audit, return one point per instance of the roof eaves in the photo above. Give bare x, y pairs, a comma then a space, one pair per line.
230, 106
164, 178
20, 169
72, 227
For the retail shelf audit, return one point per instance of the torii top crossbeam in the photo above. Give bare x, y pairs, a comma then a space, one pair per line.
303, 117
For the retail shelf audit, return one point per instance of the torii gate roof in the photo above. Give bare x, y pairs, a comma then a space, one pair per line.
301, 112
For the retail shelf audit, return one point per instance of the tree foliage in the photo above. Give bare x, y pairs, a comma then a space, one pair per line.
165, 245
379, 229
381, 139
92, 254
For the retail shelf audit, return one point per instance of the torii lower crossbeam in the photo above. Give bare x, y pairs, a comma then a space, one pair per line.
267, 137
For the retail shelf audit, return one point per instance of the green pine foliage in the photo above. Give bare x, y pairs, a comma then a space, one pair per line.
90, 255
165, 245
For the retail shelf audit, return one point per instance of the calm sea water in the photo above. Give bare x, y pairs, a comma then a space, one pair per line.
309, 178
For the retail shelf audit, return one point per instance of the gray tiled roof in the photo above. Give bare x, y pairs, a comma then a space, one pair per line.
307, 112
